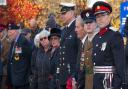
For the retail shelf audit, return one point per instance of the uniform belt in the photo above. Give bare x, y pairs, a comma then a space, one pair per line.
103, 69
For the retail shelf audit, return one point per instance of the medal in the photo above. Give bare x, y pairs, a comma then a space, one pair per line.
82, 61
18, 49
16, 57
104, 46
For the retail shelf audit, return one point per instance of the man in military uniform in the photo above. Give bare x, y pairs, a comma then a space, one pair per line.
85, 64
19, 59
67, 52
91, 29
82, 35
108, 51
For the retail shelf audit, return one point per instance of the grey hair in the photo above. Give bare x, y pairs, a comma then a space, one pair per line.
79, 19
37, 40
43, 33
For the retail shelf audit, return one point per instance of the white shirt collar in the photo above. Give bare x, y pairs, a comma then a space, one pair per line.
83, 40
70, 23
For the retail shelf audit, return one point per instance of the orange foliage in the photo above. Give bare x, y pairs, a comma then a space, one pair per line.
19, 11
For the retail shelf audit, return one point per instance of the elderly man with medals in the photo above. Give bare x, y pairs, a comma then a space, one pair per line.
18, 59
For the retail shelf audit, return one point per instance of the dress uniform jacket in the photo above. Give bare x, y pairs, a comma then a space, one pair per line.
88, 64
108, 50
67, 54
19, 62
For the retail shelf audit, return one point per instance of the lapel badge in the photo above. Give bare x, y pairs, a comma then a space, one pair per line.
103, 46
70, 36
87, 14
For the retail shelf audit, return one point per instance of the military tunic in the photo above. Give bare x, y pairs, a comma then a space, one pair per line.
108, 50
67, 54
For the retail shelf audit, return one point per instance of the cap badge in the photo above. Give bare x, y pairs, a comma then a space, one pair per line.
87, 14
98, 7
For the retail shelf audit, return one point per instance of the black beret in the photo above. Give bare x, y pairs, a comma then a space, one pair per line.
12, 26
87, 15
55, 32
100, 7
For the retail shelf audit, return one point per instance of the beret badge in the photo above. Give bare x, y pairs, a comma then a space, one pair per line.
87, 14
98, 7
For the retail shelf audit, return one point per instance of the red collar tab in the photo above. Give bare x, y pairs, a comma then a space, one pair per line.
103, 31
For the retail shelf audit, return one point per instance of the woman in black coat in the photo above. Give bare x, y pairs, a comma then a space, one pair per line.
54, 38
40, 62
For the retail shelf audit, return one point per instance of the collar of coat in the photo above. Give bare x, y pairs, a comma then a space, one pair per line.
104, 30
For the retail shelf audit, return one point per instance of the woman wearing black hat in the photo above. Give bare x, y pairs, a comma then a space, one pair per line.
55, 36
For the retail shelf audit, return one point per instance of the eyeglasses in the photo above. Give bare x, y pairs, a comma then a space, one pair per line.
43, 38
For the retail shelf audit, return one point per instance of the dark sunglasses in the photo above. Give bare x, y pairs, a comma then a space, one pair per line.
43, 38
